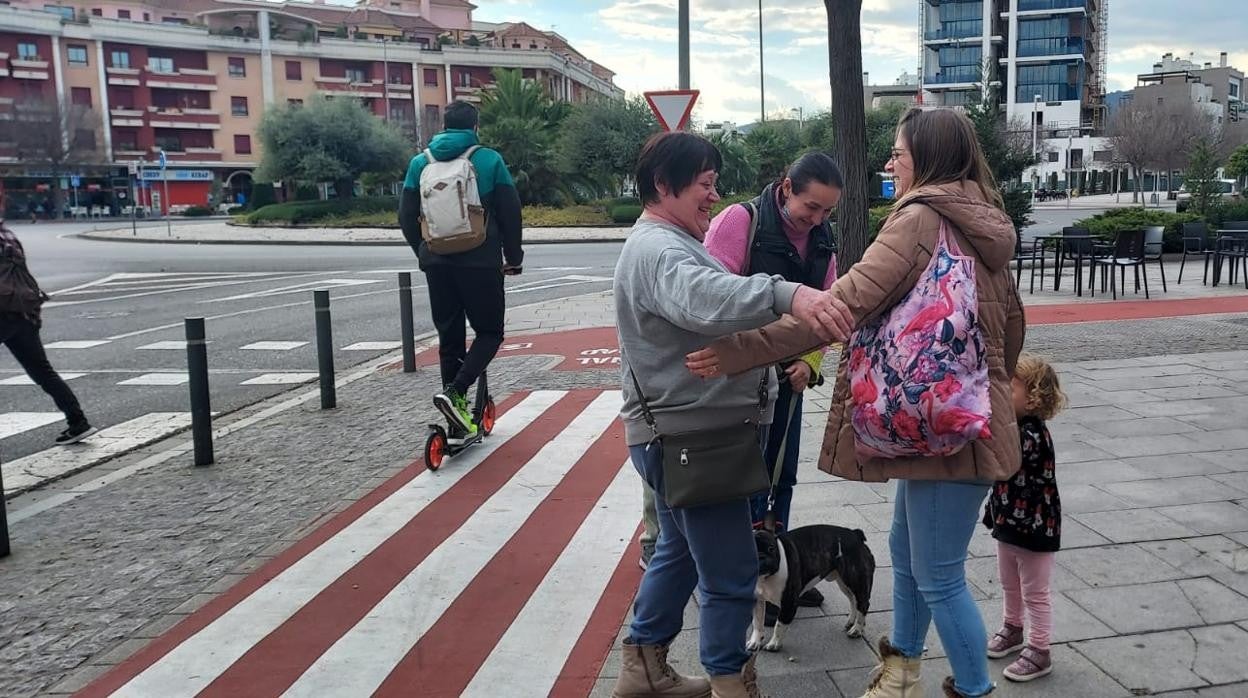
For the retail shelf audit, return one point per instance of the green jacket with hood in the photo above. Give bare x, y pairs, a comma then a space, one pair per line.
498, 196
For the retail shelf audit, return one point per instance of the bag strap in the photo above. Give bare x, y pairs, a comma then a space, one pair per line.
429, 159
467, 154
649, 416
753, 230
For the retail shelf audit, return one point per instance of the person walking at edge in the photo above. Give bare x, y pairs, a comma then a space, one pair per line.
21, 304
468, 284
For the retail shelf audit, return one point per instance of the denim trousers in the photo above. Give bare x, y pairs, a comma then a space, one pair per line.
710, 548
788, 413
933, 521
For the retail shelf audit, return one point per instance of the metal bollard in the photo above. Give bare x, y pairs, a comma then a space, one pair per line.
405, 321
325, 349
201, 407
4, 521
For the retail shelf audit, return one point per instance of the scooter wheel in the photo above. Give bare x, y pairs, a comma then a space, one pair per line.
488, 417
435, 449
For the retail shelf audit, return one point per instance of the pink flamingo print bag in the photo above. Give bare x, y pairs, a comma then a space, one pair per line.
918, 374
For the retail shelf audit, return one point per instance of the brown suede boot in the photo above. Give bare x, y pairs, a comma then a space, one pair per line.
896, 676
951, 692
645, 673
743, 685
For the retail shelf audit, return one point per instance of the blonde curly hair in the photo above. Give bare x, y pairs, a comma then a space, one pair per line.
1045, 398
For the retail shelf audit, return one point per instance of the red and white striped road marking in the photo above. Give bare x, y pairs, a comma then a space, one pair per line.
504, 571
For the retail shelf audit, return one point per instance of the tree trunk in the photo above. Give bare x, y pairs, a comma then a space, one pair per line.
849, 120
344, 188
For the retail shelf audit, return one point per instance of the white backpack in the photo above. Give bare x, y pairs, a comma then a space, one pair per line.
452, 218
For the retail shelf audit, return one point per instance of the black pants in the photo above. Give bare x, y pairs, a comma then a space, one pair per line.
456, 293
22, 338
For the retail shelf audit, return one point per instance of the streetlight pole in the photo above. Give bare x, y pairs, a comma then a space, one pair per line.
682, 22
762, 80
385, 78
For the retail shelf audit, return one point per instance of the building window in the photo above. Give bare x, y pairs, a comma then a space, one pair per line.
295, 102
396, 5
515, 44
294, 70
169, 143
119, 59
121, 97
355, 75
77, 54
160, 64
123, 14
27, 51
147, 17
1053, 156
431, 77
238, 67
423, 43
465, 79
532, 44
242, 144
174, 20
80, 96
97, 12
238, 106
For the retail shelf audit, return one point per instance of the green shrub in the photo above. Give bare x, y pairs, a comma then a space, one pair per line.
626, 214
261, 195
197, 212
612, 204
1108, 224
305, 212
235, 210
307, 192
875, 219
548, 216
1235, 209
729, 201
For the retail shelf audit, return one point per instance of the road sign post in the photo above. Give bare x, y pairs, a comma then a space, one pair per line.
166, 204
672, 107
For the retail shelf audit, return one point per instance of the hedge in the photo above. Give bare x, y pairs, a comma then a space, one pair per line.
197, 212
302, 212
626, 214
1108, 224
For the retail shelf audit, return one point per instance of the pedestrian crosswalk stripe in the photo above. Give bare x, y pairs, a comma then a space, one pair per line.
12, 423
280, 379
76, 344
372, 346
157, 379
192, 664
57, 462
273, 346
23, 379
167, 344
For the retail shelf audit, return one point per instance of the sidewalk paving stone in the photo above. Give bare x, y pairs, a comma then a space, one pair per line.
1111, 565
1133, 525
1185, 603
1174, 659
1174, 490
1210, 517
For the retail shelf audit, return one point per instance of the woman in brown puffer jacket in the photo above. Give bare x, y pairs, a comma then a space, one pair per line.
941, 174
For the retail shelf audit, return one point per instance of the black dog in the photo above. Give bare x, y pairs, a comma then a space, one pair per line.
794, 561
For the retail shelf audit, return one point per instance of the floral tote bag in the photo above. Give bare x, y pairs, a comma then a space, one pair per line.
918, 374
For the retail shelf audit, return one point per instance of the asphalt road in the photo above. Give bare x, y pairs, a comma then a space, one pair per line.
128, 301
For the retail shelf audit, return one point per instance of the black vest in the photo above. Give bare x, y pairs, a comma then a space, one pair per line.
773, 254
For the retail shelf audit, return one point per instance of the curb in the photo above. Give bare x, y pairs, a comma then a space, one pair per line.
307, 243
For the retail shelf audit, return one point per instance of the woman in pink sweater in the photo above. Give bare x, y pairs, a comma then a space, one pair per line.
785, 231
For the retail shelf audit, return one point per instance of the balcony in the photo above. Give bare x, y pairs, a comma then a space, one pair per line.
207, 119
1048, 5
189, 155
953, 34
399, 90
34, 68
1059, 46
126, 117
184, 79
123, 76
344, 86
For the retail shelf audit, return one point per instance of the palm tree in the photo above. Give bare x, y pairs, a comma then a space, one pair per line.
521, 121
850, 146
739, 170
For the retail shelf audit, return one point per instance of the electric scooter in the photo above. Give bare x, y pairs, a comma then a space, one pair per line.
484, 413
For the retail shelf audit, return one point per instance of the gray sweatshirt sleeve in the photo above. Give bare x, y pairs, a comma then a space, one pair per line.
709, 301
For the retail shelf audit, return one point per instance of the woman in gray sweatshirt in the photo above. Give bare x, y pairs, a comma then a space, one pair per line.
671, 297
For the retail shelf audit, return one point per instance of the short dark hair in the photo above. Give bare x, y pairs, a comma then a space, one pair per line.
814, 167
674, 160
460, 115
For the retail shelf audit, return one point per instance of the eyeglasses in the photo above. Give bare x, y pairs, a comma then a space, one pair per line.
896, 154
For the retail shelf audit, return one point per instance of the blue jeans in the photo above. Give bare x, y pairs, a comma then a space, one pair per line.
788, 412
708, 547
932, 525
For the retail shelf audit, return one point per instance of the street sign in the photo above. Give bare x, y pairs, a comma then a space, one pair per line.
65, 183
134, 169
672, 107
163, 161
75, 181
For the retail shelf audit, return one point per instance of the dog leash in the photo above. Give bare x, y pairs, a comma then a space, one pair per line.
769, 519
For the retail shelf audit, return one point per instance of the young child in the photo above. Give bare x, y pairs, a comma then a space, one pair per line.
1025, 515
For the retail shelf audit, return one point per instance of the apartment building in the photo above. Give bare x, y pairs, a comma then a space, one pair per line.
192, 78
1045, 58
1216, 89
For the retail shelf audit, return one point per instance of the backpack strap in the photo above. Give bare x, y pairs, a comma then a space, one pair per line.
749, 239
429, 156
467, 154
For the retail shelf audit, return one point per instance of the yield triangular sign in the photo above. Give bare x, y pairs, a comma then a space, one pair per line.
672, 107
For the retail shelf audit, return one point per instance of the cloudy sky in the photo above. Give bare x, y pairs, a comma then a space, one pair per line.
637, 39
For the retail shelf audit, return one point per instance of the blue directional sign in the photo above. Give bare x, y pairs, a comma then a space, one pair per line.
888, 189
163, 160
74, 181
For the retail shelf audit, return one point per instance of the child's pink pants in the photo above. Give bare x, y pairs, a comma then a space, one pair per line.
1025, 577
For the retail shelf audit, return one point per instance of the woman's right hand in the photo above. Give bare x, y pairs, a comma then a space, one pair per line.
703, 363
826, 314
